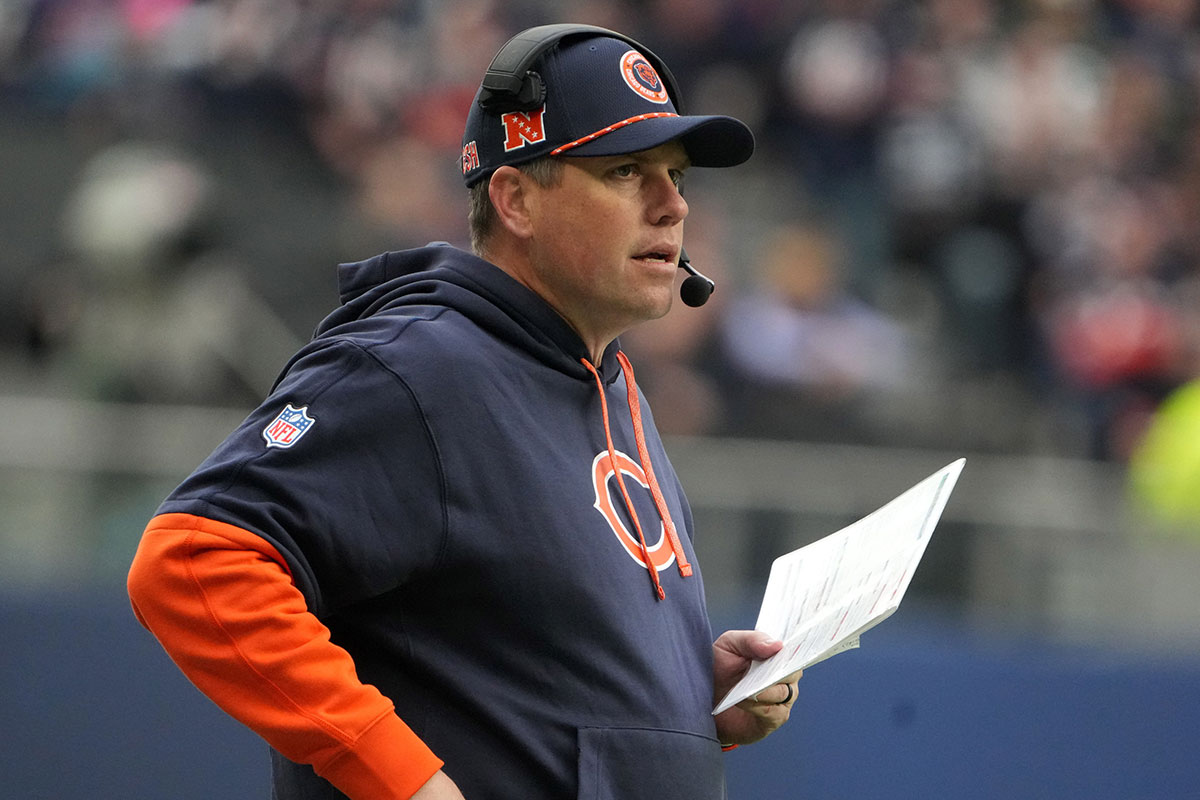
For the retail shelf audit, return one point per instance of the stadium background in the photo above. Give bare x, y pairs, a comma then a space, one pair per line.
970, 229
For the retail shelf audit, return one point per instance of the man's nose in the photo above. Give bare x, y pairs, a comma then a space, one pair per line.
667, 206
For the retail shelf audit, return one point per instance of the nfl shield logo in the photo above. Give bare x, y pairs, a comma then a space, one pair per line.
286, 429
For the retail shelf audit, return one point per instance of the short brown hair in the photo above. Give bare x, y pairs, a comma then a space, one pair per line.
481, 217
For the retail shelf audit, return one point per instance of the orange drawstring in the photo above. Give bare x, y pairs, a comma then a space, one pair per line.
639, 436
660, 503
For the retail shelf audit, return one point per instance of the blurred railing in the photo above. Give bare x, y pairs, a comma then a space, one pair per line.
1039, 544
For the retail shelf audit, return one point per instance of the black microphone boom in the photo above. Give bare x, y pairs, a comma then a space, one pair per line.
696, 288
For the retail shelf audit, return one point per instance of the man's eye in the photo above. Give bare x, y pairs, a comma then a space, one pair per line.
625, 170
677, 178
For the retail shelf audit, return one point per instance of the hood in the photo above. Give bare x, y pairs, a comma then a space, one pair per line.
432, 280
440, 276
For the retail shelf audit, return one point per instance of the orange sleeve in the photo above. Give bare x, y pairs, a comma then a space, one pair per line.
222, 603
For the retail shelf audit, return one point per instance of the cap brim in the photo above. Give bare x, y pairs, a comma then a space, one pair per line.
710, 141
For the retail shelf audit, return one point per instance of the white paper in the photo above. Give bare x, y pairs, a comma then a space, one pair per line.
820, 598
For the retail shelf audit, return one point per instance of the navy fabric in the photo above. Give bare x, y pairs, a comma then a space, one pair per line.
592, 83
440, 516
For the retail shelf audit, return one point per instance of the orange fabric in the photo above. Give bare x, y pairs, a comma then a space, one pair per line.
221, 601
639, 435
609, 129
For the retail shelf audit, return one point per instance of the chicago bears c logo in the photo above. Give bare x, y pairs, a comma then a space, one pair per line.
660, 552
640, 76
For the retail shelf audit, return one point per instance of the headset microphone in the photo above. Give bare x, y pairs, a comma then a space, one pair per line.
696, 288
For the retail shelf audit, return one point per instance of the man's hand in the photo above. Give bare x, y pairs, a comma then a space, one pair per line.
439, 787
755, 717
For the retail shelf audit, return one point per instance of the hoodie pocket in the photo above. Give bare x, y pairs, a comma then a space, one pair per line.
635, 763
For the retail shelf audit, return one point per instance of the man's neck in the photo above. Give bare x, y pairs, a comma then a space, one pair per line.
516, 266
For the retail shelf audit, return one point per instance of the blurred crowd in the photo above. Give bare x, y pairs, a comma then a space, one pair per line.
969, 223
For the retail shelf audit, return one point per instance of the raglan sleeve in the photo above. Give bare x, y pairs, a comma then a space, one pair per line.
330, 492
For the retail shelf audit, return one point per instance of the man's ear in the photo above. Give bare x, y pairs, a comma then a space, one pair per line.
508, 191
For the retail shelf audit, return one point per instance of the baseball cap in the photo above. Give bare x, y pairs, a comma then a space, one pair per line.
603, 96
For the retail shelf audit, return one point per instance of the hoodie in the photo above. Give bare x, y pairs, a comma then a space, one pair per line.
446, 539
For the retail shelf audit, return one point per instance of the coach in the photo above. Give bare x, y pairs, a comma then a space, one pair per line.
448, 556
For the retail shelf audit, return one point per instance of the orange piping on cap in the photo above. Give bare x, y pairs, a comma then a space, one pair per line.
609, 129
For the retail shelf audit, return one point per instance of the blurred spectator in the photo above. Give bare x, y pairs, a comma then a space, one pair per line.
801, 348
153, 310
1020, 183
1114, 328
1034, 99
1165, 465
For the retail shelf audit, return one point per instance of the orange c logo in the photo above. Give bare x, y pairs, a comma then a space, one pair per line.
602, 470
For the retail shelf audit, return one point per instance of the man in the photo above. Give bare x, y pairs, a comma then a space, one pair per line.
448, 556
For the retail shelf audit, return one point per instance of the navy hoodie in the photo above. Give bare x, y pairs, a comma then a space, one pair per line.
433, 466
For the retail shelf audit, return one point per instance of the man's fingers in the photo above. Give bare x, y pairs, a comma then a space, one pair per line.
772, 695
754, 645
777, 694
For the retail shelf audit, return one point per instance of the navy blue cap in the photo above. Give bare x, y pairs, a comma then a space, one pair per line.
602, 96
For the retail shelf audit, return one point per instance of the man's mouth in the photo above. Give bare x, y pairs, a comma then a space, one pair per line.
656, 255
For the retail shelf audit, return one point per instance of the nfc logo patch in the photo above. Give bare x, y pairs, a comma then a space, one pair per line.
287, 428
640, 76
521, 128
661, 554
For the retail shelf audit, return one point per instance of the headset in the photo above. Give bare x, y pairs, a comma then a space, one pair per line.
510, 84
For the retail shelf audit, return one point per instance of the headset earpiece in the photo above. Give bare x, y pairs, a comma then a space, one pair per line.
510, 84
